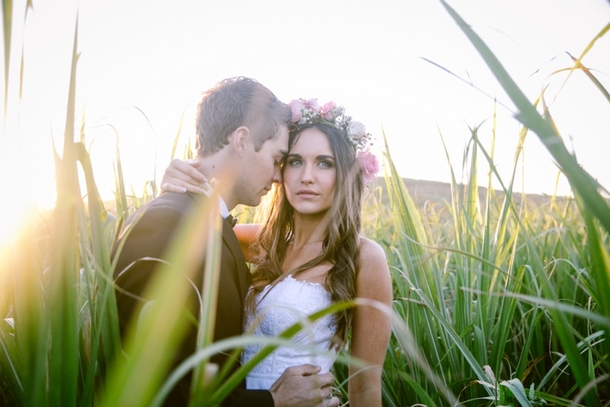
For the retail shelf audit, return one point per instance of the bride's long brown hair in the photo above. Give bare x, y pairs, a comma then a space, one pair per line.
340, 246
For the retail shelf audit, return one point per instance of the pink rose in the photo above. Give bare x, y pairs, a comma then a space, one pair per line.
313, 104
327, 111
370, 166
297, 110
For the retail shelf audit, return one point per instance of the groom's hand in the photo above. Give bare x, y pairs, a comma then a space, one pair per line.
302, 386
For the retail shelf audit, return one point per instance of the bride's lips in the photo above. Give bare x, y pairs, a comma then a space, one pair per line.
307, 193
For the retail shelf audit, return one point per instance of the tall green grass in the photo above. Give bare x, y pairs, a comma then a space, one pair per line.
504, 298
498, 299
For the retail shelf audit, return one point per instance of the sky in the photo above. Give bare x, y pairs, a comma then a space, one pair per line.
143, 66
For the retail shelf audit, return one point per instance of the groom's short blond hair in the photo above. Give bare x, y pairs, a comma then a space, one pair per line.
236, 102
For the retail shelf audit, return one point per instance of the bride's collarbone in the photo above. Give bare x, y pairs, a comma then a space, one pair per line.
316, 274
296, 256
302, 254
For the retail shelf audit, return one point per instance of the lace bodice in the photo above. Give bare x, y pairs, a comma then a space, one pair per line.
289, 301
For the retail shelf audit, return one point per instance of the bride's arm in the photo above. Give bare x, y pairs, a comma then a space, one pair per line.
181, 176
246, 235
371, 327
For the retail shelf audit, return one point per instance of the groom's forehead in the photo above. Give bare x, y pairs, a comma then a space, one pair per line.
280, 139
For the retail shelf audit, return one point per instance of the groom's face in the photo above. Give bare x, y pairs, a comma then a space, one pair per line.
261, 169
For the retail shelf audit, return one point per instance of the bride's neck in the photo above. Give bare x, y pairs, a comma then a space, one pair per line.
308, 232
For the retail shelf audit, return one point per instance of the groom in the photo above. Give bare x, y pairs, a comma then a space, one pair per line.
242, 131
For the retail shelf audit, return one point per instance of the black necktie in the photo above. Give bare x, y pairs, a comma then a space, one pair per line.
232, 221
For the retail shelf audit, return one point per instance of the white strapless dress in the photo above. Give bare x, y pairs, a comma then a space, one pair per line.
288, 302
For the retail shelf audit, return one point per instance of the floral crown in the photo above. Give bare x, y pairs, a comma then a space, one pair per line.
308, 112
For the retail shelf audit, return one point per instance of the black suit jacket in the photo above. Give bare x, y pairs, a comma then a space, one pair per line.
155, 224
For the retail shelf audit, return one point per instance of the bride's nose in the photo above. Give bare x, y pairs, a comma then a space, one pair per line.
307, 176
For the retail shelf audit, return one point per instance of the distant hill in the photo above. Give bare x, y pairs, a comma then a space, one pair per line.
423, 191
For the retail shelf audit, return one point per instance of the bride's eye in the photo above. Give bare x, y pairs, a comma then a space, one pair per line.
326, 164
294, 162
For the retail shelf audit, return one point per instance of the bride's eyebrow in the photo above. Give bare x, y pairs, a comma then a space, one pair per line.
318, 158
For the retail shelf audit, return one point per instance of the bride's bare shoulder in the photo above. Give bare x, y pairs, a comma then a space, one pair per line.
373, 262
374, 280
371, 251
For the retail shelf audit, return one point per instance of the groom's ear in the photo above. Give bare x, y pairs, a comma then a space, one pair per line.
240, 139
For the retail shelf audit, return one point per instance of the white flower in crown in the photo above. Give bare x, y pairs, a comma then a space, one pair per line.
356, 131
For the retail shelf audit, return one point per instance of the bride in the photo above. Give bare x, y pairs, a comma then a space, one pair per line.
310, 254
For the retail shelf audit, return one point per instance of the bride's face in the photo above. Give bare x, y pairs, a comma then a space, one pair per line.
310, 172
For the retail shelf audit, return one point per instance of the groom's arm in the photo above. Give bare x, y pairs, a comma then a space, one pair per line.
150, 233
144, 241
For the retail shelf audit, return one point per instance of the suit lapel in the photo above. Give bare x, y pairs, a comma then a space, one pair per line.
243, 273
243, 276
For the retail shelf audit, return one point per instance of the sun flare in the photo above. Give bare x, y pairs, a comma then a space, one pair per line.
26, 187
13, 215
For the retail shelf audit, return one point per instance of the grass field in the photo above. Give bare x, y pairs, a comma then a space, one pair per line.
498, 300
